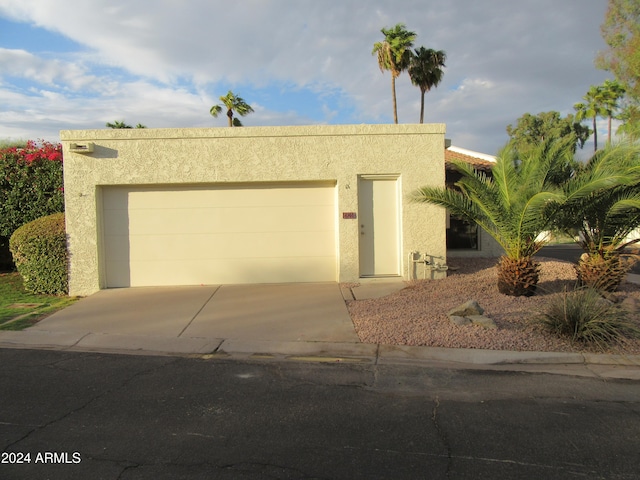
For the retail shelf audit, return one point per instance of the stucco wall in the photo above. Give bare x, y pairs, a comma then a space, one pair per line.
254, 154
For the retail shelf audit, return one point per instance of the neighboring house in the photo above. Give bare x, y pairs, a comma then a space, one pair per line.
465, 239
147, 207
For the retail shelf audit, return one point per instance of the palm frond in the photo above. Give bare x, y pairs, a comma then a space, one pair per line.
512, 204
603, 199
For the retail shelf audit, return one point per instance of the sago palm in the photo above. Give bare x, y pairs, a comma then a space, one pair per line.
509, 205
603, 218
232, 103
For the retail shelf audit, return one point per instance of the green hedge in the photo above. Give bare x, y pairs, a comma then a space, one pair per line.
39, 250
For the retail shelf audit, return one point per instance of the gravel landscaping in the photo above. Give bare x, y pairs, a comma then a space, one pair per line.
417, 315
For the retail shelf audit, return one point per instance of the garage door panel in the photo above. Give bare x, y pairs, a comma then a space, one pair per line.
264, 270
220, 220
296, 244
213, 247
145, 198
249, 234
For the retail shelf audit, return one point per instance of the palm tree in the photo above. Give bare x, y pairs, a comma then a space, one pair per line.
394, 54
509, 205
232, 103
612, 92
606, 216
593, 108
425, 70
119, 124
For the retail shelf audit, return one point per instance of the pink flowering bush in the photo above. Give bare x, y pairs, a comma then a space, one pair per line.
31, 184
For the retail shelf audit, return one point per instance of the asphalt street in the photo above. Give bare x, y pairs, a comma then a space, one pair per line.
98, 416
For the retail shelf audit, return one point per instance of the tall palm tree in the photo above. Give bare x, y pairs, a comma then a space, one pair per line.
591, 108
232, 103
425, 70
612, 93
509, 205
606, 216
394, 54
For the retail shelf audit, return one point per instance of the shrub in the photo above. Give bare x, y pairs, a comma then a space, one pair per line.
584, 316
39, 250
31, 184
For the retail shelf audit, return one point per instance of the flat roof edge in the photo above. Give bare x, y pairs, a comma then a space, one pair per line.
247, 132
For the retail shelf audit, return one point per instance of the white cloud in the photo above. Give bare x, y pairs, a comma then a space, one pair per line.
20, 63
164, 63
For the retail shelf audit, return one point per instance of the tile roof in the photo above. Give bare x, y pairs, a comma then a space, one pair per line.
480, 162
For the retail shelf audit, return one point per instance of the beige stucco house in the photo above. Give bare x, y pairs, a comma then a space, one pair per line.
148, 207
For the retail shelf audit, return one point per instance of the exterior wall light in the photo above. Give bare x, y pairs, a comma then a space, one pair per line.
81, 147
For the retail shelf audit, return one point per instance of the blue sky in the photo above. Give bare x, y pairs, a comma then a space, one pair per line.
77, 64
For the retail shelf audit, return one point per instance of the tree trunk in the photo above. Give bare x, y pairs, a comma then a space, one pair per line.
393, 93
595, 135
422, 92
517, 277
604, 273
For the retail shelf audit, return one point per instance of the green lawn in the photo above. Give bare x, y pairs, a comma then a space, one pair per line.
15, 302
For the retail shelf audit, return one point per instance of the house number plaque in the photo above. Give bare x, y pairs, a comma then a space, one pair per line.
349, 215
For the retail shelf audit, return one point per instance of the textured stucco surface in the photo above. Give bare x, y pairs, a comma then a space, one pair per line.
414, 153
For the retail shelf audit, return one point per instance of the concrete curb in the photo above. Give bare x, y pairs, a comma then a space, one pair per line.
396, 353
331, 351
316, 349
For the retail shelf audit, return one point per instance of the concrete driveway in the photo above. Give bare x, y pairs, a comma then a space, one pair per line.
280, 313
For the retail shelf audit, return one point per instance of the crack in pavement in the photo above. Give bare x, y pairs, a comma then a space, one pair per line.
441, 434
56, 363
91, 400
267, 470
126, 469
507, 461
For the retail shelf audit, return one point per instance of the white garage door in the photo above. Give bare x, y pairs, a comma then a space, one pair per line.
212, 235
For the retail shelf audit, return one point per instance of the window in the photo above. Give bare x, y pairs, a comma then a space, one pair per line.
461, 234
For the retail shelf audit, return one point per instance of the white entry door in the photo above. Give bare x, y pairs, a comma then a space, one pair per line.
379, 226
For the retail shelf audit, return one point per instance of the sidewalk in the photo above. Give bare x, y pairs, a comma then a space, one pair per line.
169, 338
